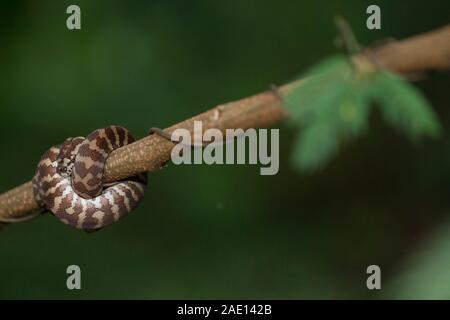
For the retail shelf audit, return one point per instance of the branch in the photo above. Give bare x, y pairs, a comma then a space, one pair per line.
428, 51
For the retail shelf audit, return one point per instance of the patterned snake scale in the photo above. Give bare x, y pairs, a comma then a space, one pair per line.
68, 181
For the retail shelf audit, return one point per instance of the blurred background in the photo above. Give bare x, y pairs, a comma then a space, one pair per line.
218, 231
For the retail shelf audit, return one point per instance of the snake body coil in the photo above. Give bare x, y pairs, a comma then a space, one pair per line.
69, 181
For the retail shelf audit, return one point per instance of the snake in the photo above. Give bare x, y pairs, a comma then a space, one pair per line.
68, 181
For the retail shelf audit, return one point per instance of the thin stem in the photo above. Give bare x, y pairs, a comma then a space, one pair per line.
348, 37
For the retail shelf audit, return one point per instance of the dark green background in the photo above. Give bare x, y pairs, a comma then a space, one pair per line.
218, 231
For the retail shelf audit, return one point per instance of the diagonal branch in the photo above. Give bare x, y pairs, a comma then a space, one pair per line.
428, 51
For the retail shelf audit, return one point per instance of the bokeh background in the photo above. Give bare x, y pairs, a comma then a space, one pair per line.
218, 231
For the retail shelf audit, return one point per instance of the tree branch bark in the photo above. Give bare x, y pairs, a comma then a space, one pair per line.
428, 51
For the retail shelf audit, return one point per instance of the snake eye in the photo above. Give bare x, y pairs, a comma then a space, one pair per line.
61, 168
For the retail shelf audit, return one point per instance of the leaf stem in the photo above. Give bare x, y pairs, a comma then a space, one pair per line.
348, 37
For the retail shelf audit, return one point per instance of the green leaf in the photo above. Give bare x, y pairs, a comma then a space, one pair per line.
332, 104
323, 84
404, 107
314, 146
322, 136
330, 107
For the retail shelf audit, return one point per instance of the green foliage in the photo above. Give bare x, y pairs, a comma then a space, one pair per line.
425, 274
404, 107
332, 106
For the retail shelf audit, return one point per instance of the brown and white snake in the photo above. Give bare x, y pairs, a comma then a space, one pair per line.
69, 181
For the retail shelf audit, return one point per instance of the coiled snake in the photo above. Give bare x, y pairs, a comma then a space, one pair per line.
69, 181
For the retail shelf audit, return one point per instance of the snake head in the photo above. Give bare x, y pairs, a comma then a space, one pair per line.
67, 154
65, 166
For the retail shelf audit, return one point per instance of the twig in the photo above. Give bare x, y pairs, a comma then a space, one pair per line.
348, 37
429, 51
